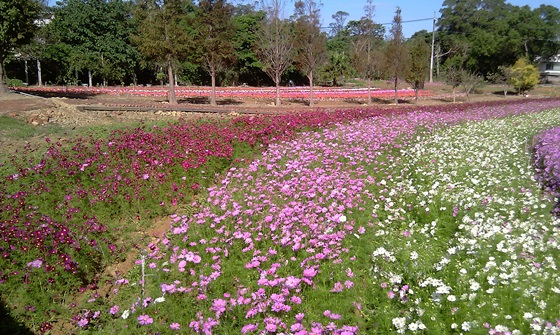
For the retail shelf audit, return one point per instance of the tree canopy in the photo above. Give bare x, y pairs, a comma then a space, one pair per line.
270, 42
17, 27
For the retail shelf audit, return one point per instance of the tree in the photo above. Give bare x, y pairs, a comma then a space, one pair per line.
396, 54
162, 34
524, 76
470, 81
339, 23
501, 77
17, 27
366, 33
246, 21
215, 35
96, 35
419, 65
498, 33
453, 74
275, 47
310, 42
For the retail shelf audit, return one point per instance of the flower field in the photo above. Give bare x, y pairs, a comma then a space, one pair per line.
295, 93
430, 221
547, 161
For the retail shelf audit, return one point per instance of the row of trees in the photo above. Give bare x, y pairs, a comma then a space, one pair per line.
213, 42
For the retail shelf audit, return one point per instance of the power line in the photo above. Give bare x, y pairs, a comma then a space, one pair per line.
390, 23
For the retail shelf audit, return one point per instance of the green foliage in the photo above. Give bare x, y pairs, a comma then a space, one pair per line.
16, 28
493, 33
397, 61
310, 42
524, 76
214, 37
95, 37
164, 34
419, 64
247, 68
14, 82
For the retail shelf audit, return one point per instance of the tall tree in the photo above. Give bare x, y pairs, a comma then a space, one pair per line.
396, 54
339, 23
247, 68
367, 37
275, 47
162, 34
419, 65
311, 49
215, 35
17, 26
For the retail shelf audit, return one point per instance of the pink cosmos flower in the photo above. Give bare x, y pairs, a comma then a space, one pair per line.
145, 320
114, 310
175, 326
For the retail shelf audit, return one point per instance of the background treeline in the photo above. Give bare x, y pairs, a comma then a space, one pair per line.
116, 42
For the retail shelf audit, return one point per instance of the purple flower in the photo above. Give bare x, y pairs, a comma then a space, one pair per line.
175, 326
337, 287
270, 327
248, 328
219, 305
83, 322
35, 264
114, 310
145, 320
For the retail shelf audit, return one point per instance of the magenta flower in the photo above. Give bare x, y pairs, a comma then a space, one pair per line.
145, 320
271, 327
114, 310
83, 322
338, 287
219, 305
175, 326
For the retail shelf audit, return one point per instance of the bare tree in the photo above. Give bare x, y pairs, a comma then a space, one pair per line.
310, 42
275, 47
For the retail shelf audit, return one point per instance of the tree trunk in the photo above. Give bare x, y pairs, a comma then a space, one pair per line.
39, 73
310, 76
396, 91
3, 86
453, 94
90, 78
416, 95
277, 81
26, 72
369, 91
213, 94
172, 98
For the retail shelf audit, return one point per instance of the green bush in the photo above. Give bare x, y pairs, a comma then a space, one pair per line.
524, 76
14, 82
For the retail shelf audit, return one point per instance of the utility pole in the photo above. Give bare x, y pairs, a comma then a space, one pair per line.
432, 56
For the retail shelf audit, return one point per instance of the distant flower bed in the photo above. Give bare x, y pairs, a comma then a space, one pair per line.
232, 92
